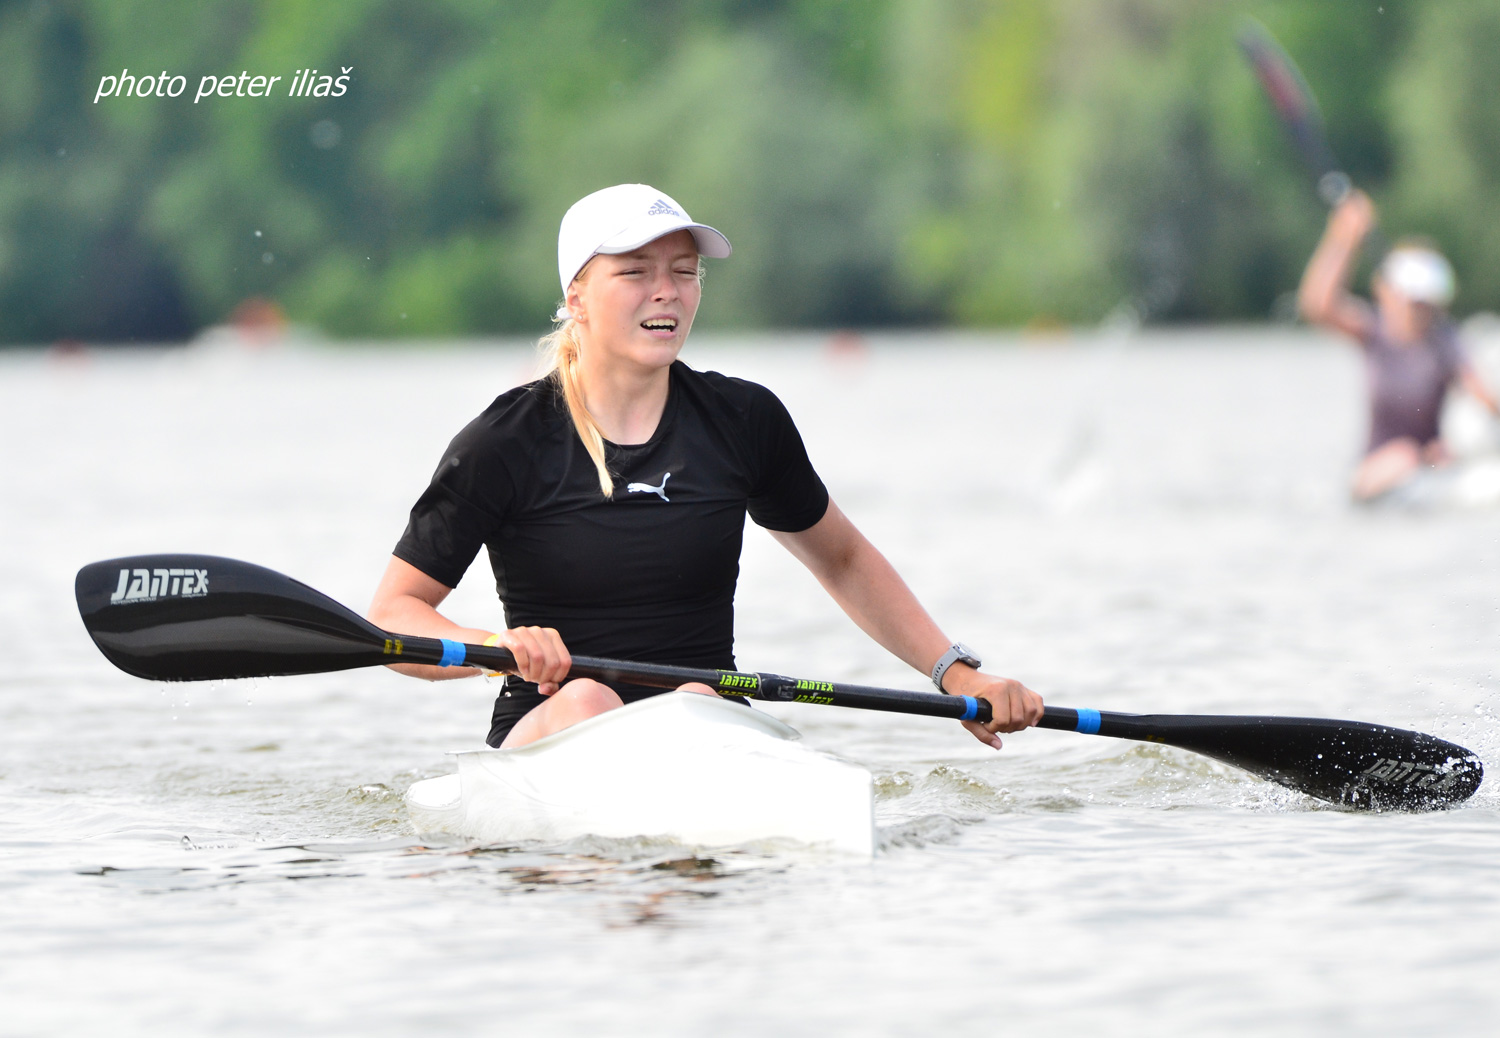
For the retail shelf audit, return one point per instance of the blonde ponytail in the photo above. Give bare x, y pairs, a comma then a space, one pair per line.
561, 349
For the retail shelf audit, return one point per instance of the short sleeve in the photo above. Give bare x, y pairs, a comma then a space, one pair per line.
786, 493
458, 511
1451, 350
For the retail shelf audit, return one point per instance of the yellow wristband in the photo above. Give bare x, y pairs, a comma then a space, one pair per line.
492, 640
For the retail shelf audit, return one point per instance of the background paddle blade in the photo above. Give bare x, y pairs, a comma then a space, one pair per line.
1295, 107
201, 617
1344, 762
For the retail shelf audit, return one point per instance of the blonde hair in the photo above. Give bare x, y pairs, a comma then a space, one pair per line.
561, 350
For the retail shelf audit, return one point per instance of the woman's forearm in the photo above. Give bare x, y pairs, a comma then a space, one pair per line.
868, 589
1478, 389
406, 614
1323, 297
1326, 280
875, 597
406, 603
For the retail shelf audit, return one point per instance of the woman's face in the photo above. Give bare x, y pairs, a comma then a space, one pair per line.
637, 307
1403, 316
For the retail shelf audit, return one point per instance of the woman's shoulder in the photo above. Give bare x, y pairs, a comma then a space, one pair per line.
525, 412
538, 400
739, 395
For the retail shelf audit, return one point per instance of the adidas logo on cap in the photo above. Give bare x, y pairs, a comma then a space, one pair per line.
662, 208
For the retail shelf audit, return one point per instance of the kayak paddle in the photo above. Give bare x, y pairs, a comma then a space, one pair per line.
1296, 108
1298, 111
205, 618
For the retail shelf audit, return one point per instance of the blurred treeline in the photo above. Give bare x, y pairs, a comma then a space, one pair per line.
874, 162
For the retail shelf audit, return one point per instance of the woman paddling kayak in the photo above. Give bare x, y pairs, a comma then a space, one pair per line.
612, 494
1411, 348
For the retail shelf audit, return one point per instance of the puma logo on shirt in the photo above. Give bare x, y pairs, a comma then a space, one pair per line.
647, 488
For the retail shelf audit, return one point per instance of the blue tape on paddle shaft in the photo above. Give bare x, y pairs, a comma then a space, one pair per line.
453, 653
1088, 722
971, 708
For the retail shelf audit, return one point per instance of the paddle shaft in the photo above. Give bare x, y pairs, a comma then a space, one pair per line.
778, 688
769, 687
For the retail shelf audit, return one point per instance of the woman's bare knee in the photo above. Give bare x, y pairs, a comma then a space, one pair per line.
588, 697
576, 701
1386, 467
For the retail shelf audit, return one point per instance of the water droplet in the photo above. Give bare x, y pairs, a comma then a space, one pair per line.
325, 134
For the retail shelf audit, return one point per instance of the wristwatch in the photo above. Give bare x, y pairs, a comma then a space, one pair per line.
958, 652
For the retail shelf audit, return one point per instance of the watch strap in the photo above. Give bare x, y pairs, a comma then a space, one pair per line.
958, 652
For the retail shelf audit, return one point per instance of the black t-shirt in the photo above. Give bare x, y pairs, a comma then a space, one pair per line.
646, 575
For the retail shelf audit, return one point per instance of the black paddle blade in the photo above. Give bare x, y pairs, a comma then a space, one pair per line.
201, 617
1350, 763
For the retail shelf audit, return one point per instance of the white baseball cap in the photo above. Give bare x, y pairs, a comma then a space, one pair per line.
621, 218
1420, 274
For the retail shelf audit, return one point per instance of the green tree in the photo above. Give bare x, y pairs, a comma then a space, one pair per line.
874, 162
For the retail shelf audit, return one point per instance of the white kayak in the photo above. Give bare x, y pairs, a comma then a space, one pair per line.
1467, 483
694, 769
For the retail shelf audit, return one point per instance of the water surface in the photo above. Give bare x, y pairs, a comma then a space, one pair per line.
1159, 527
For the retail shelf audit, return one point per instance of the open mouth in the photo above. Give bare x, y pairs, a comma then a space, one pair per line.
660, 324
